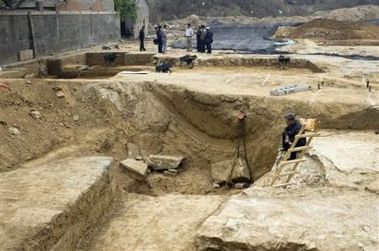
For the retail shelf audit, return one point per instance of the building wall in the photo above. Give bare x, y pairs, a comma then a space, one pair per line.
142, 17
55, 33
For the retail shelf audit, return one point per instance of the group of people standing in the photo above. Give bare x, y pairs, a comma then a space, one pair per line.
204, 38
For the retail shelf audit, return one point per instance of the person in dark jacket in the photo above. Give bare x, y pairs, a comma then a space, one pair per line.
198, 40
208, 40
142, 39
292, 129
160, 39
202, 38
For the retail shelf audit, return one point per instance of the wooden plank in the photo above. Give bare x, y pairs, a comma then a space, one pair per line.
284, 184
288, 173
288, 162
298, 149
307, 135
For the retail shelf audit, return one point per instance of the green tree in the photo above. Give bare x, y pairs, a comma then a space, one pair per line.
127, 9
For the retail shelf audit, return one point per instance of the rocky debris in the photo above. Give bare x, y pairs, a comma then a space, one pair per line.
164, 162
221, 171
133, 151
60, 94
135, 166
235, 170
76, 118
241, 171
109, 46
3, 122
28, 82
241, 185
2, 85
14, 131
169, 173
216, 186
83, 67
35, 114
29, 76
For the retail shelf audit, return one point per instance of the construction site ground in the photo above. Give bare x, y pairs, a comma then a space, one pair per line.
62, 187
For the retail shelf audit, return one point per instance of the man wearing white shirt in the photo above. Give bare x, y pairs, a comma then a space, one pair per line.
189, 34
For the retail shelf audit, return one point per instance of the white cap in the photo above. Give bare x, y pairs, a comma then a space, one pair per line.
207, 28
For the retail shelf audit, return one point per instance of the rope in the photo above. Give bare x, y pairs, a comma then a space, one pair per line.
241, 138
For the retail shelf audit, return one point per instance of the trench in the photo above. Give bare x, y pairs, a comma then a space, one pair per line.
154, 116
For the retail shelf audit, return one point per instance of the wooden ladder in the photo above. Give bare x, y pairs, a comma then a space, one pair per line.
278, 175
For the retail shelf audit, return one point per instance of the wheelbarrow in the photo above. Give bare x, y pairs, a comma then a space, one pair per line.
189, 60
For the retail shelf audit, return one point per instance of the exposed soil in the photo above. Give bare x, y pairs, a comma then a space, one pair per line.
328, 29
193, 113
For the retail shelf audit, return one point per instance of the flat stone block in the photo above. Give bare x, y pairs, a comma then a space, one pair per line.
164, 162
25, 55
135, 166
221, 171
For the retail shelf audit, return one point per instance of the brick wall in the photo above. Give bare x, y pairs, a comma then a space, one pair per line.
55, 33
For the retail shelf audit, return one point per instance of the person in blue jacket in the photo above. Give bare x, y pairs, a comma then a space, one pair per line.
290, 131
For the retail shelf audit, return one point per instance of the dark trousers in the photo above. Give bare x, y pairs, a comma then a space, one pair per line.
202, 46
293, 155
287, 146
142, 45
160, 45
209, 47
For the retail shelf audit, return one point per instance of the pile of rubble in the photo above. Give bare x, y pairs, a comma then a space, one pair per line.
140, 167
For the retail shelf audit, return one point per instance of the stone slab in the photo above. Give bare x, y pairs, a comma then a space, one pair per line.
304, 219
25, 55
164, 162
241, 171
47, 206
136, 166
221, 171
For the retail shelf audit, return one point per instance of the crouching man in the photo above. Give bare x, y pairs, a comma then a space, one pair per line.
290, 131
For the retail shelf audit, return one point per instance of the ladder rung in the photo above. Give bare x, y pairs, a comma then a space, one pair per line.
288, 173
284, 184
298, 149
307, 135
288, 162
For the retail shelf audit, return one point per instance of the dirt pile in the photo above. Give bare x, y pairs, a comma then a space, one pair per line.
359, 13
354, 14
327, 29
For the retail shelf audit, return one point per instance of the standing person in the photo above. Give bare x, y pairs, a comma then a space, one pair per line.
164, 39
209, 40
142, 39
159, 38
189, 34
202, 38
198, 40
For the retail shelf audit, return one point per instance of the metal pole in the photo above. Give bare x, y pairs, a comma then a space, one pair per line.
32, 35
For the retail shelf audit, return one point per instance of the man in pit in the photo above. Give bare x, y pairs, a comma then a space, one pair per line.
290, 131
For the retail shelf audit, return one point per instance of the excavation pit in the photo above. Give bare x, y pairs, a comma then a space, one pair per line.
191, 113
